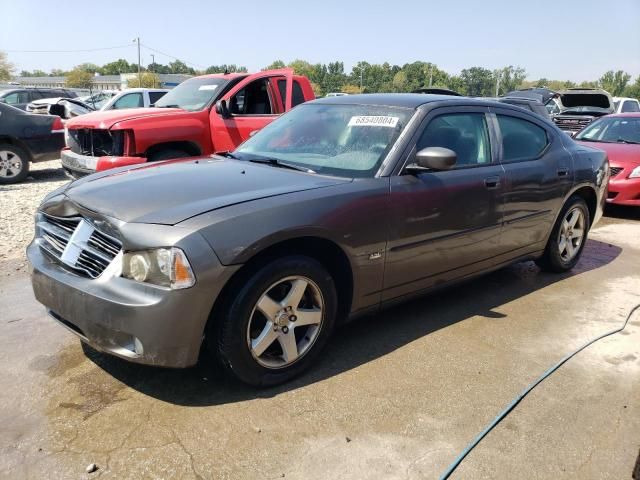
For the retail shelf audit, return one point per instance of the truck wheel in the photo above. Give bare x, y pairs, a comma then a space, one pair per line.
14, 164
276, 322
568, 237
167, 155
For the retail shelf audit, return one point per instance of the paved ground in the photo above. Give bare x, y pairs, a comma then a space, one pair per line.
397, 395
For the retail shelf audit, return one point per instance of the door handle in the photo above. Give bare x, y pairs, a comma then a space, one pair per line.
492, 182
563, 172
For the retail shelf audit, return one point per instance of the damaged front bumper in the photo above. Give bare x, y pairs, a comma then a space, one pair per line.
139, 322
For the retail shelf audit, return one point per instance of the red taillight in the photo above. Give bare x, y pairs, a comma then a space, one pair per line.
57, 126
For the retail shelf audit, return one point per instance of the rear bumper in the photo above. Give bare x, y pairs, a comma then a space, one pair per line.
45, 148
79, 165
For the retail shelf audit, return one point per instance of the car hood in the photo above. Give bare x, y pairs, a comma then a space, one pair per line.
176, 190
108, 118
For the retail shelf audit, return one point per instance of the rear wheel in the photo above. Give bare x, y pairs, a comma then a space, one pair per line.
167, 155
568, 237
14, 164
277, 323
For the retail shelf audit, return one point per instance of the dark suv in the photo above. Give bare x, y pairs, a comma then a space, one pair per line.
341, 206
20, 97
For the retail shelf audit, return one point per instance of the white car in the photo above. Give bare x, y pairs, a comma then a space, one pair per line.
135, 98
625, 104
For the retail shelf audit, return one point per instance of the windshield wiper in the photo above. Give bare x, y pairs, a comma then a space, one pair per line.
279, 163
168, 106
229, 155
624, 140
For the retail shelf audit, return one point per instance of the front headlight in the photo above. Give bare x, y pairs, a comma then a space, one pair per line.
166, 267
635, 173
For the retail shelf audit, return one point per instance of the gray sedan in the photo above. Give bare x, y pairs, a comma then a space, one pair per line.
337, 208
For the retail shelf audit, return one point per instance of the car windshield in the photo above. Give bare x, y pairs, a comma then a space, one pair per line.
612, 130
193, 94
339, 140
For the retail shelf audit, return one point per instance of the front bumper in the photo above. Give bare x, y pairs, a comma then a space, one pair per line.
625, 191
80, 165
135, 321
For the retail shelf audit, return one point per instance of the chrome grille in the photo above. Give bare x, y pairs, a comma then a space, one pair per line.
615, 171
572, 123
75, 242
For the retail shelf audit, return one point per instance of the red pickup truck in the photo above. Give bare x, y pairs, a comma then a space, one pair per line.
201, 116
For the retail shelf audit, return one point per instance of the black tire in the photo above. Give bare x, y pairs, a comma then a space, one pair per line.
227, 332
167, 154
552, 259
10, 154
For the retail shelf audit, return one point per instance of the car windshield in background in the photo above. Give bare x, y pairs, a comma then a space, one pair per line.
339, 140
193, 94
612, 130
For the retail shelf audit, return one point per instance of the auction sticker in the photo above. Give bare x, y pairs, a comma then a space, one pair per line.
373, 121
207, 87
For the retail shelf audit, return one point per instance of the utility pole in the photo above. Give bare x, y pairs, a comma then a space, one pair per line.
153, 69
430, 76
137, 40
361, 72
498, 84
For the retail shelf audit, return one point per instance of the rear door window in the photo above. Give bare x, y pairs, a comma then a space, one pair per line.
521, 139
297, 97
130, 100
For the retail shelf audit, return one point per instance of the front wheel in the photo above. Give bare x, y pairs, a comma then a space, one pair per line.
568, 237
276, 324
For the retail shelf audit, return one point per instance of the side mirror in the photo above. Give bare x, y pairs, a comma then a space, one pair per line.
222, 109
434, 158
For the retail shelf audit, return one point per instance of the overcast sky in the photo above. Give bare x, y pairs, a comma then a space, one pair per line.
556, 39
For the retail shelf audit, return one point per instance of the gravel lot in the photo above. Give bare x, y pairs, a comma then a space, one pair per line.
17, 205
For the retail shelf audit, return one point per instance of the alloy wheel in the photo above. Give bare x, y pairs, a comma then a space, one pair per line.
10, 164
571, 235
285, 322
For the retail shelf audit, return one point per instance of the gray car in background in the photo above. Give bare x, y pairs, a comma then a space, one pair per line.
337, 208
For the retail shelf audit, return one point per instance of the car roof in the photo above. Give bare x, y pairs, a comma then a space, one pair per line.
402, 100
625, 114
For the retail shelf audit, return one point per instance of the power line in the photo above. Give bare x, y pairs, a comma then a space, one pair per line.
69, 51
171, 56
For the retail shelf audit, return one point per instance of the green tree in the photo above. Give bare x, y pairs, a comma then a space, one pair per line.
614, 82
178, 66
57, 72
88, 67
275, 65
6, 68
79, 78
334, 77
633, 90
511, 78
232, 68
400, 82
149, 80
478, 82
118, 67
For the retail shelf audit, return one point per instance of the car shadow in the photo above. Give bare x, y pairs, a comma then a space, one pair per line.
622, 212
360, 341
41, 175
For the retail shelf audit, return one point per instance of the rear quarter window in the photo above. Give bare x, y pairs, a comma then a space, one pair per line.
630, 106
521, 139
